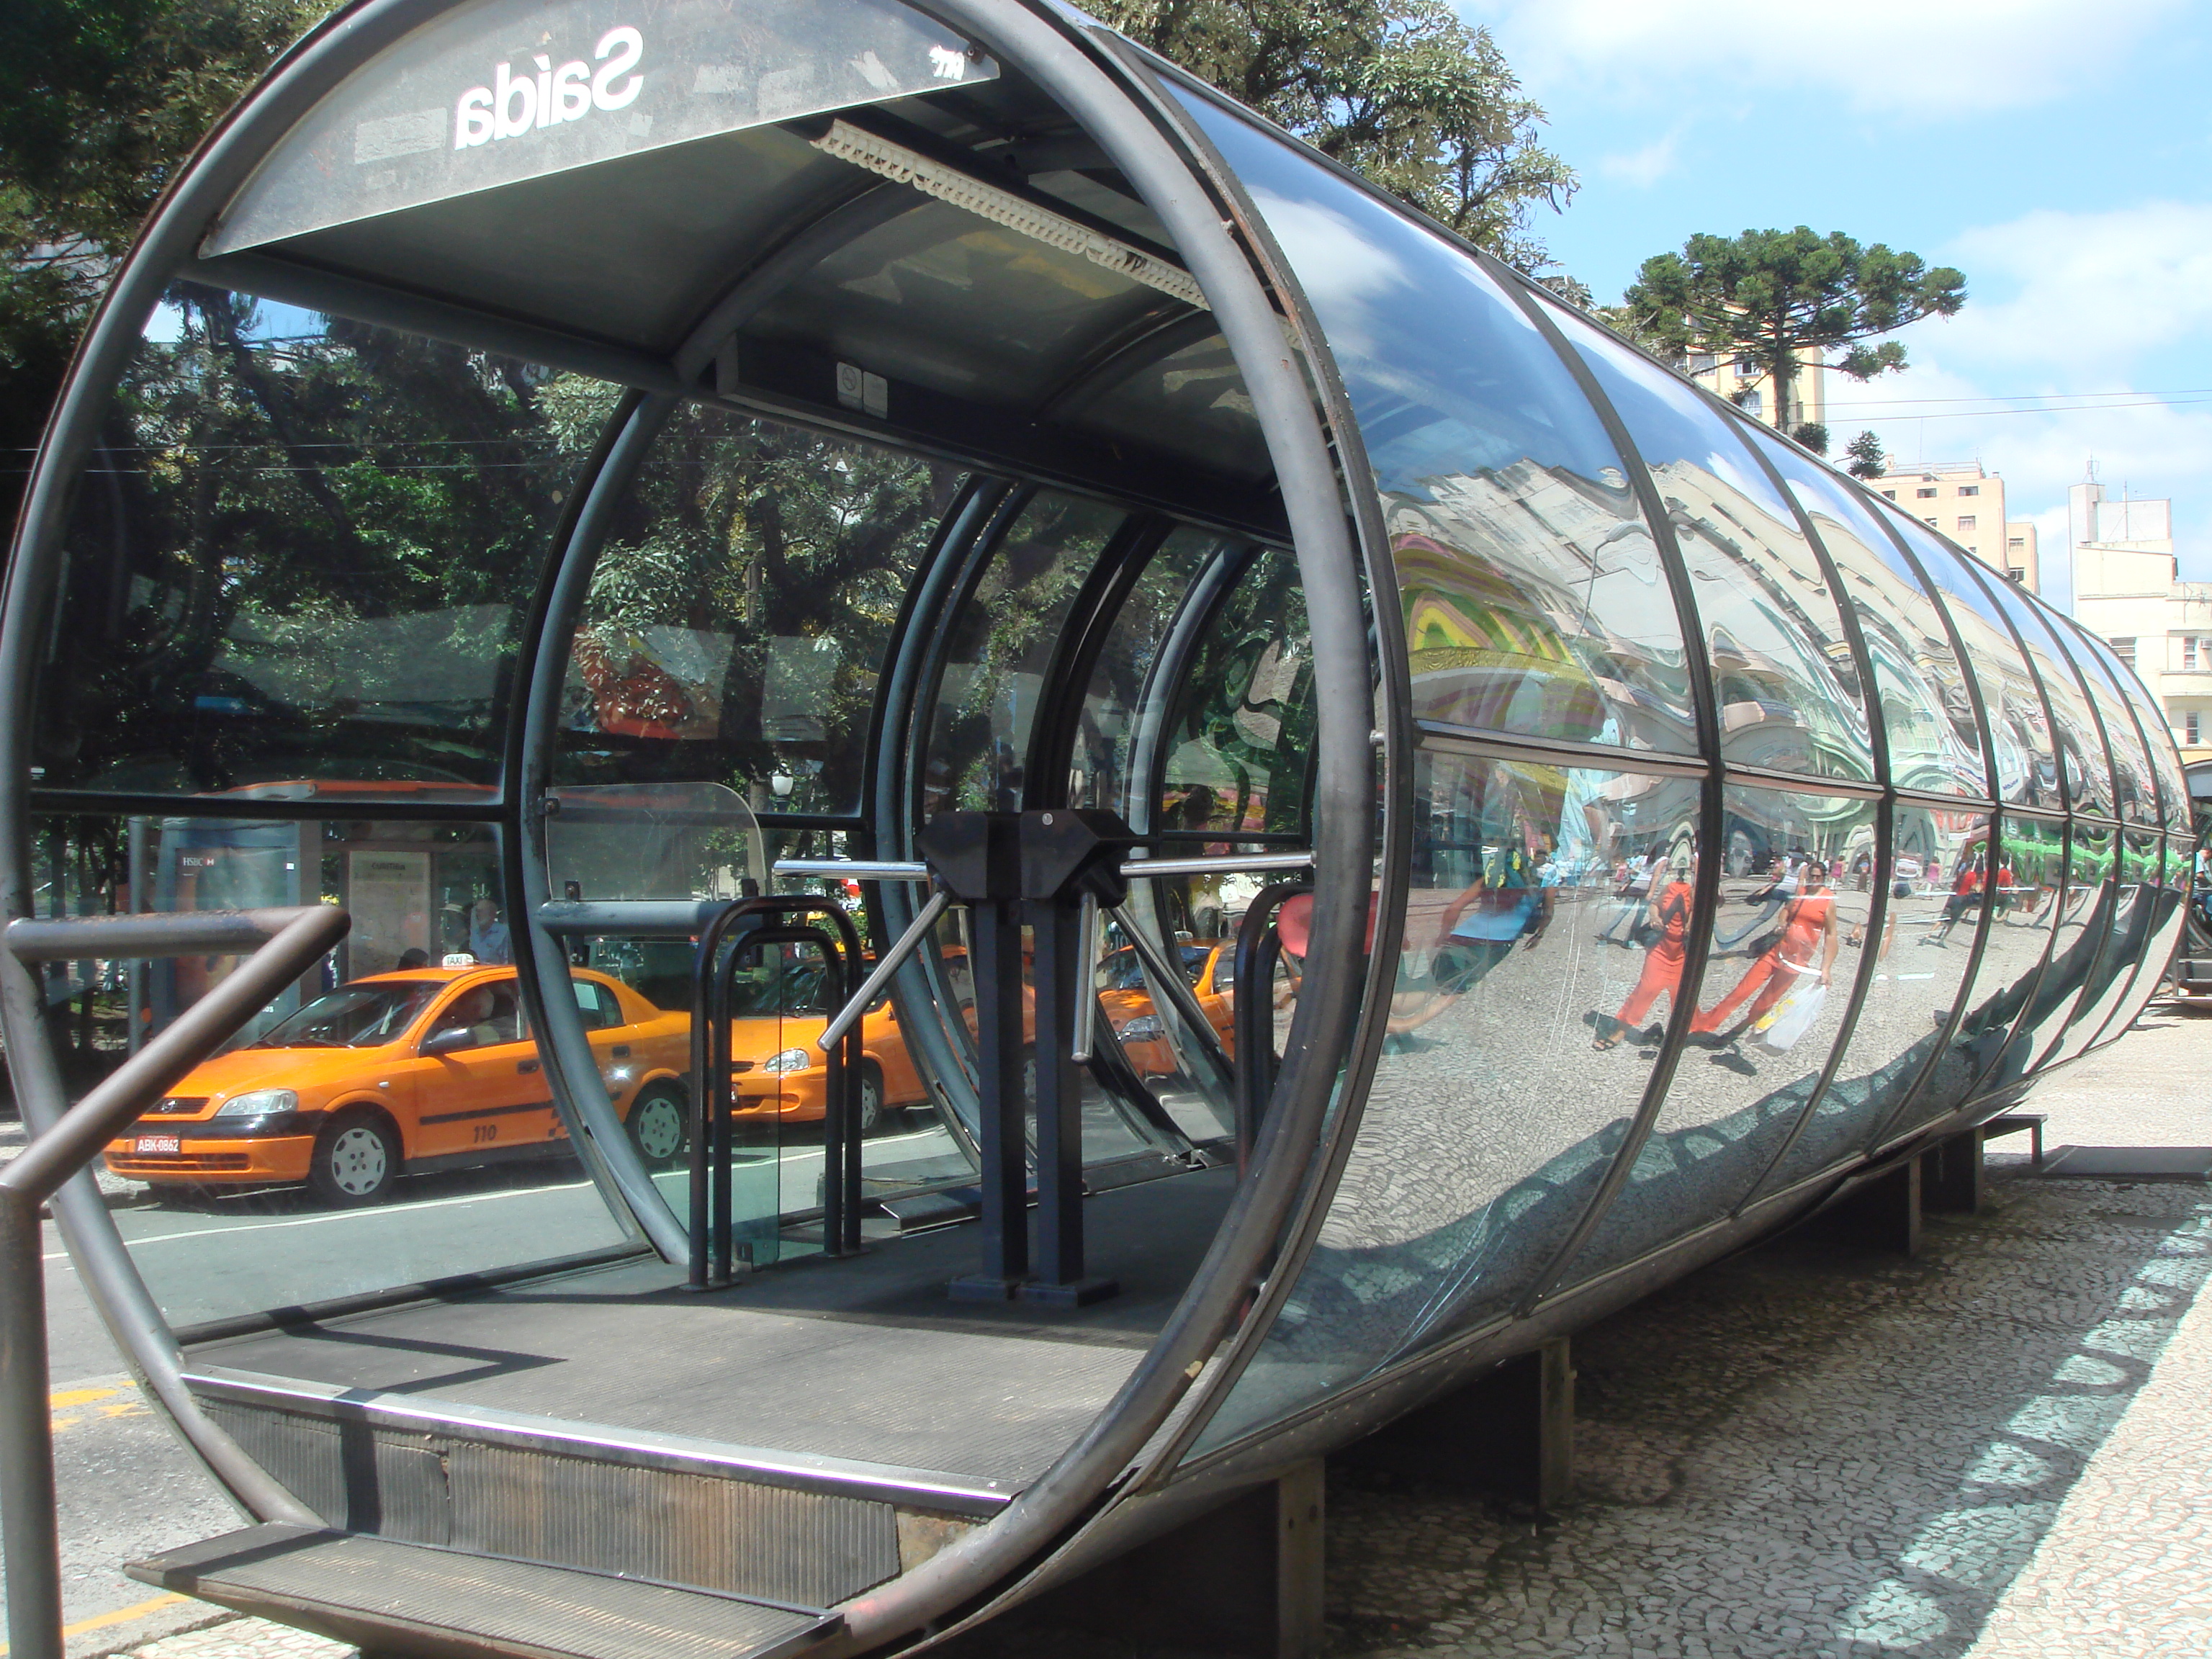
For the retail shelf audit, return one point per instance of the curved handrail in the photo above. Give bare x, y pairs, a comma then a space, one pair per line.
289, 941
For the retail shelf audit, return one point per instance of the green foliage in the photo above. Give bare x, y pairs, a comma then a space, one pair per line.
100, 101
1771, 294
1812, 435
1867, 461
1402, 90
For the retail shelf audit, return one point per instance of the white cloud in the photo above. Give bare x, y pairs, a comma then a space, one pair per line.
1955, 59
1642, 169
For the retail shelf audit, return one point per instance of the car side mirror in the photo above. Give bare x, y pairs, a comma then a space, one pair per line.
448, 1040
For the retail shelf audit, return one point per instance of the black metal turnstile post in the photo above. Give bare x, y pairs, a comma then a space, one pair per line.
1012, 868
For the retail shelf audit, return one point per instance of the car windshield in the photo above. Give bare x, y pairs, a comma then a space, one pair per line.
783, 987
1123, 971
354, 1017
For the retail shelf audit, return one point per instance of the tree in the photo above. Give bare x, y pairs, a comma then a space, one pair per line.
1402, 90
1867, 461
100, 101
1771, 295
1812, 435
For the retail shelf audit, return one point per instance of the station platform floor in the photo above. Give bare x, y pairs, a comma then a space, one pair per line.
865, 1360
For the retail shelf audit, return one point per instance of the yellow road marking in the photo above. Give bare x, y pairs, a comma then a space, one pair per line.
67, 1397
119, 1403
120, 1616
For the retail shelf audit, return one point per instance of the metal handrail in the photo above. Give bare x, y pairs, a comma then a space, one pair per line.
873, 987
1205, 1040
289, 942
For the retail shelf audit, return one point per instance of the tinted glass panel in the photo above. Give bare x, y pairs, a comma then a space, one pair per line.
2170, 899
1775, 988
2027, 765
2026, 898
301, 551
1534, 597
735, 619
2135, 786
2087, 767
2135, 913
1788, 694
1548, 911
1934, 743
998, 648
336, 1146
1938, 874
2077, 953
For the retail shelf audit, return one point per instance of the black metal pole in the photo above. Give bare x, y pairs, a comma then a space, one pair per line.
29, 1528
995, 933
1055, 926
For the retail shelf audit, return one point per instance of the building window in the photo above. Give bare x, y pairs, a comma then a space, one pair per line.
1889, 494
1966, 521
1926, 493
1970, 490
2189, 653
1752, 405
2124, 647
1930, 522
2016, 541
1744, 369
2193, 732
1701, 362
2015, 574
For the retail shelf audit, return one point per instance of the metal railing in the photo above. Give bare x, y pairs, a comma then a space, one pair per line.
285, 945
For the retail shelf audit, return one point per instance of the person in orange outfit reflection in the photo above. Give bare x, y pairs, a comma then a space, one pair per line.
1667, 909
1808, 924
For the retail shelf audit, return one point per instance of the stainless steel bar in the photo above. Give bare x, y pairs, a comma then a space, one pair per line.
855, 869
160, 933
58, 1153
30, 1530
1087, 994
873, 987
631, 918
1228, 863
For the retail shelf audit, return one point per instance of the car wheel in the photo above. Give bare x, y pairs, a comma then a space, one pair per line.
871, 1100
660, 1126
356, 1160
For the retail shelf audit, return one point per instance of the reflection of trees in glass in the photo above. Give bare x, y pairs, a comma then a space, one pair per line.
736, 621
1242, 731
300, 551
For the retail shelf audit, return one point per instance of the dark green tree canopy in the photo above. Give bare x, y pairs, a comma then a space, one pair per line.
1402, 90
1772, 294
1867, 461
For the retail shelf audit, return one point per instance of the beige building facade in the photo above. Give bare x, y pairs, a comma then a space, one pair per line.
1743, 383
2127, 589
1968, 504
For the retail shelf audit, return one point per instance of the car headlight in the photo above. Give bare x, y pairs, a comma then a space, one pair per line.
259, 1103
1146, 1028
789, 1059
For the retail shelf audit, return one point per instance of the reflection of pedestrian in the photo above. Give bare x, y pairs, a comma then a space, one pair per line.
1772, 897
488, 936
1635, 888
1808, 922
1668, 910
1509, 903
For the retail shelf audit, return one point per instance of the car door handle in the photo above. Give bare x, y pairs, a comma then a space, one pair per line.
526, 1066
620, 1051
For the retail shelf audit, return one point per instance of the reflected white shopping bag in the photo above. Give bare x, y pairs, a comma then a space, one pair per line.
1779, 1028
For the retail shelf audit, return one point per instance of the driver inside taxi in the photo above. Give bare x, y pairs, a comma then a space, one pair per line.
472, 1011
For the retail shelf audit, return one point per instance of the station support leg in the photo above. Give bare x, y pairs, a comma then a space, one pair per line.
1951, 1174
1245, 1580
1885, 1213
1055, 928
1511, 1434
996, 934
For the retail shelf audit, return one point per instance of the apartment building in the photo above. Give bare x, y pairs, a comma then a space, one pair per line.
1968, 504
1743, 383
2127, 588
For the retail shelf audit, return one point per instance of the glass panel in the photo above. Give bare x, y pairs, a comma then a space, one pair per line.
1939, 875
2025, 899
2135, 786
2135, 906
2079, 962
301, 552
1789, 692
1190, 403
1535, 601
1236, 746
2087, 767
1934, 743
2169, 914
998, 648
386, 1120
1772, 1002
737, 618
2027, 767
1492, 1118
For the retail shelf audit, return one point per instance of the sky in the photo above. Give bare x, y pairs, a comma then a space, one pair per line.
2057, 152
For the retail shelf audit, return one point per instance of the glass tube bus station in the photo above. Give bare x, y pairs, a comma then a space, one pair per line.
1036, 810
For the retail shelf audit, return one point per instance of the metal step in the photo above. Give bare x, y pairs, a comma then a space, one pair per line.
417, 1600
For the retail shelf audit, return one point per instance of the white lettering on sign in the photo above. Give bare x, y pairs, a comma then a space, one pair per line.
515, 104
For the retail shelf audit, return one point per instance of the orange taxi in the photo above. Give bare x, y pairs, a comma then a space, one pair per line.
1208, 966
421, 1069
779, 1010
